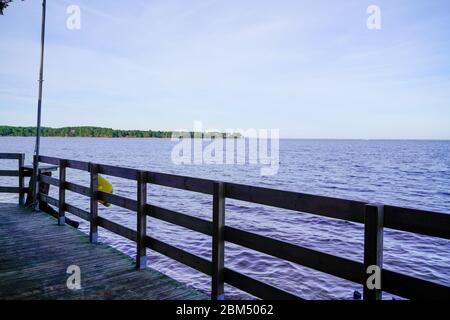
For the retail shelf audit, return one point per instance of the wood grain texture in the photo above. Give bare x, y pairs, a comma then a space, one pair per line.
21, 180
9, 173
34, 261
10, 156
373, 247
218, 242
93, 232
141, 223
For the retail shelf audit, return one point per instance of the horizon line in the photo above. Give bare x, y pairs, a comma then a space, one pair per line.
220, 131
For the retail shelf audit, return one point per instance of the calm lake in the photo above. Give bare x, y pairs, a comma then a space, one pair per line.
405, 173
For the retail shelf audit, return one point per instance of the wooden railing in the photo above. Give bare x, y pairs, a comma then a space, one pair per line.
375, 218
21, 190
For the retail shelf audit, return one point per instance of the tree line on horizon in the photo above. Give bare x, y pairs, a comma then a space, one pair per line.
10, 131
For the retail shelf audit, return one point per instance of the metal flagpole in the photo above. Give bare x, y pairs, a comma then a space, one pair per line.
38, 127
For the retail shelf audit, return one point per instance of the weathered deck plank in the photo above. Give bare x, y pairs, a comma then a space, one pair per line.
35, 253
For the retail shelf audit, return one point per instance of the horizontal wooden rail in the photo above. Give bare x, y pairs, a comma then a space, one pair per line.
119, 201
181, 182
78, 212
4, 189
180, 219
79, 165
49, 180
411, 287
417, 221
11, 156
85, 191
337, 266
403, 219
14, 173
117, 228
184, 257
20, 173
256, 288
125, 173
47, 199
9, 173
25, 173
324, 206
49, 160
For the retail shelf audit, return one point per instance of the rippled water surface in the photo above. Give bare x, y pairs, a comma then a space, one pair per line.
405, 173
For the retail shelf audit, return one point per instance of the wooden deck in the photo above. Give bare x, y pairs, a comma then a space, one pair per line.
35, 253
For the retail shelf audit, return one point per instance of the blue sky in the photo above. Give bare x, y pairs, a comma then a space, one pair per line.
309, 68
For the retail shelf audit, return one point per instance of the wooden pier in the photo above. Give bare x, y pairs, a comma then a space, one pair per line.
35, 254
16, 240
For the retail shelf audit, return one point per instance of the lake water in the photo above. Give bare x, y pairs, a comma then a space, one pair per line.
405, 173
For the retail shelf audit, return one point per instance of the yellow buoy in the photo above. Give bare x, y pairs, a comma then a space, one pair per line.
105, 186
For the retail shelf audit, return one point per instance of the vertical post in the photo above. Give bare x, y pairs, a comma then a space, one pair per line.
373, 251
38, 126
141, 252
218, 242
62, 192
21, 180
36, 185
93, 232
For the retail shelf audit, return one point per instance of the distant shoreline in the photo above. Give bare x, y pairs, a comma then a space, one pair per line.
99, 132
303, 139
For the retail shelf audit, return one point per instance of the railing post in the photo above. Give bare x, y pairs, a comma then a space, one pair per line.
218, 242
141, 252
21, 180
373, 251
93, 232
36, 185
62, 192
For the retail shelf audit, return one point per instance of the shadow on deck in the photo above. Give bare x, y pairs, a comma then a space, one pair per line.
35, 253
